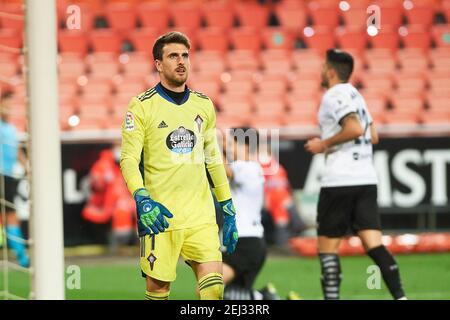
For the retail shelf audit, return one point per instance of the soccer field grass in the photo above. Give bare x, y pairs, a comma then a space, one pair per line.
424, 277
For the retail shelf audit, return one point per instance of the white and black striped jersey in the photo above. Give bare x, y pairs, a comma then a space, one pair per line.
349, 163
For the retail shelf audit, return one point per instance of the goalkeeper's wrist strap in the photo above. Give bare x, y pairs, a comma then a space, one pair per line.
141, 192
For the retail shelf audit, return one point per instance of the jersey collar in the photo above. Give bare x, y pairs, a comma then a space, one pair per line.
161, 92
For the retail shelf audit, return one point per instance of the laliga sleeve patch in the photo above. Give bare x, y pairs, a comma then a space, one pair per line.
129, 122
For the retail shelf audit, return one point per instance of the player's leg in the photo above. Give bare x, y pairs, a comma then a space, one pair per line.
158, 260
157, 289
201, 249
330, 266
14, 235
367, 222
244, 265
333, 222
210, 279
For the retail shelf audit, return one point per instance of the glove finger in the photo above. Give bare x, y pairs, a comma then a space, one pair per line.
154, 229
163, 221
158, 225
166, 212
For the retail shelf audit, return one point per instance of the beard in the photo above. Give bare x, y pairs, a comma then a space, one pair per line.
177, 81
325, 83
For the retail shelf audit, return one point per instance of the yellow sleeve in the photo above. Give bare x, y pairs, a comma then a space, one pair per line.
213, 159
133, 133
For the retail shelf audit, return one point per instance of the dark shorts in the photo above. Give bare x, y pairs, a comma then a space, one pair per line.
246, 261
10, 190
345, 210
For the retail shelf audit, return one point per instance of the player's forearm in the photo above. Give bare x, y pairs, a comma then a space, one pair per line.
131, 174
350, 131
221, 187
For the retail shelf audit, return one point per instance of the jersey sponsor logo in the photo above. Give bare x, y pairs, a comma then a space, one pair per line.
198, 120
162, 125
181, 140
129, 121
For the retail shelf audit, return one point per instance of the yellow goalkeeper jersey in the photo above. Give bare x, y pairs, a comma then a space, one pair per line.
170, 149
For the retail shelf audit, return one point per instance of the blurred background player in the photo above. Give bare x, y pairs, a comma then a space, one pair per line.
168, 136
110, 205
241, 268
10, 153
280, 206
348, 195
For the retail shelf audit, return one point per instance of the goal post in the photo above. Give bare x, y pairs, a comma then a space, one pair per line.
47, 251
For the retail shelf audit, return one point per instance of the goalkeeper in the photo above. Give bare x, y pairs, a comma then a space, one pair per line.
168, 138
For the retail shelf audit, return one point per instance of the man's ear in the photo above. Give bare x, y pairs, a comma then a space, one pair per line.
158, 65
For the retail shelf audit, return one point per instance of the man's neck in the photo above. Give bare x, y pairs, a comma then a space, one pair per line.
334, 82
170, 87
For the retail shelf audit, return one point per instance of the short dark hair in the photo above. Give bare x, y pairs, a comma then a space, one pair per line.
170, 37
342, 62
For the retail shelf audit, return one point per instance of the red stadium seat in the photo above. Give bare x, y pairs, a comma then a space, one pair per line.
266, 121
399, 119
243, 60
245, 38
354, 38
73, 41
143, 39
321, 40
355, 17
276, 61
305, 88
324, 15
8, 69
269, 105
391, 14
275, 84
416, 37
209, 62
153, 15
213, 39
300, 105
441, 117
441, 35
420, 15
381, 66
277, 38
252, 14
307, 61
185, 15
15, 19
292, 15
239, 86
96, 87
136, 64
121, 16
105, 41
387, 38
71, 68
12, 39
438, 104
406, 105
379, 81
414, 64
218, 14
438, 81
131, 86
410, 83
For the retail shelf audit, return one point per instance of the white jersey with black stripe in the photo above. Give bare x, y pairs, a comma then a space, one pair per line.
247, 190
349, 163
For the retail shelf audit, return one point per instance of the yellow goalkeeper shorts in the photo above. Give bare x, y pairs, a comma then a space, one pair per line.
159, 253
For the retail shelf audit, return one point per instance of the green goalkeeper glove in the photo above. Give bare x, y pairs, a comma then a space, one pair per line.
230, 233
151, 215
